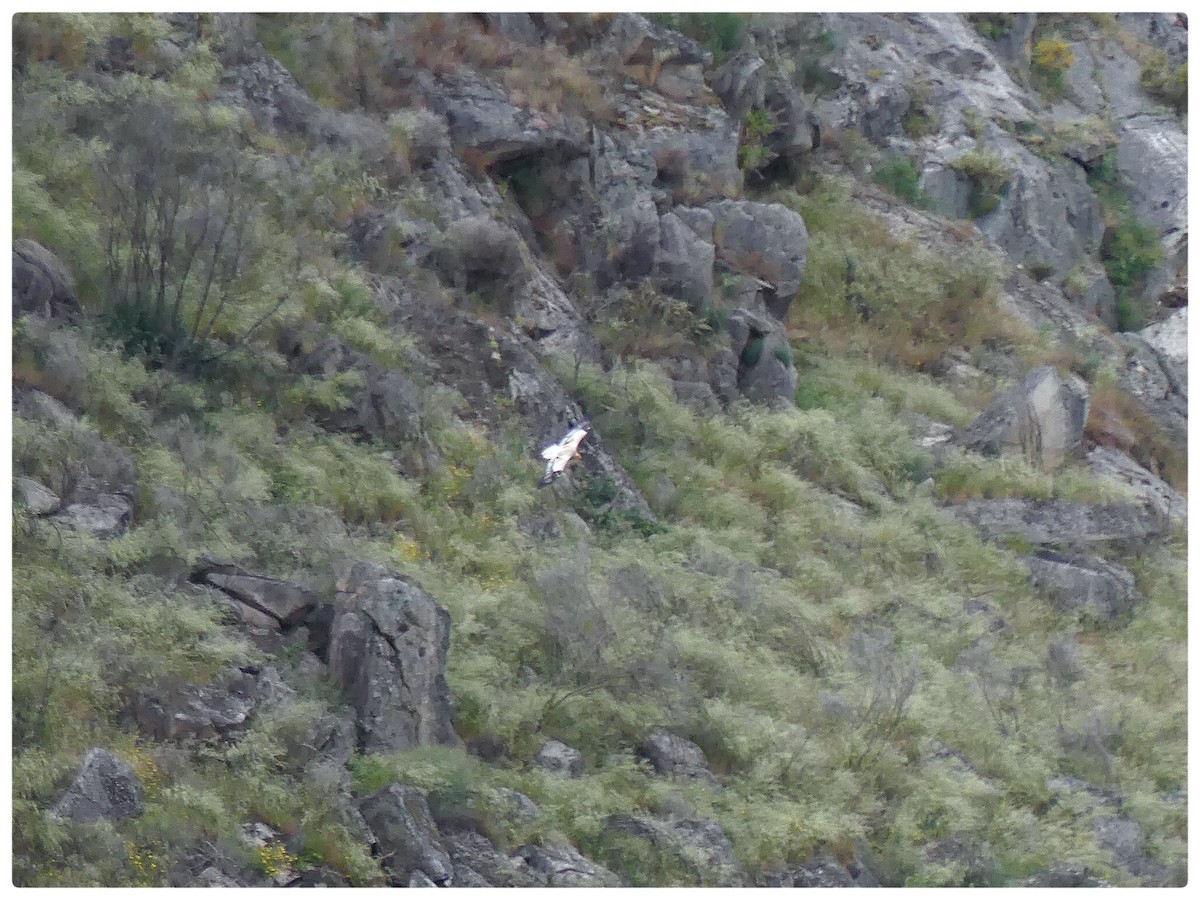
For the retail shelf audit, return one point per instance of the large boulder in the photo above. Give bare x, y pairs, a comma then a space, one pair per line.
38, 499
675, 757
1094, 586
104, 515
42, 283
555, 756
1041, 419
105, 787
387, 652
406, 835
762, 358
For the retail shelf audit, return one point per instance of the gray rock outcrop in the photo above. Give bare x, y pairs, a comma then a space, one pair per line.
36, 497
207, 711
1150, 490
105, 787
1059, 522
1091, 585
699, 845
561, 865
766, 241
406, 835
387, 652
676, 757
555, 756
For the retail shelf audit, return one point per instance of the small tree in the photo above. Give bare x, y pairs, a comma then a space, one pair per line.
182, 233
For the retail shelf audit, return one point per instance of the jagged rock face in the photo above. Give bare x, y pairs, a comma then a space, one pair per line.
1152, 157
745, 82
387, 651
494, 367
683, 265
406, 835
477, 862
1041, 419
1059, 522
1091, 585
1168, 339
106, 787
42, 283
1156, 383
822, 871
665, 60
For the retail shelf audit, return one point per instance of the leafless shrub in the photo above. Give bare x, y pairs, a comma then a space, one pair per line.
882, 693
482, 255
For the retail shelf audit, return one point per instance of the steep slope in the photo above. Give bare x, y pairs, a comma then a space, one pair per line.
873, 569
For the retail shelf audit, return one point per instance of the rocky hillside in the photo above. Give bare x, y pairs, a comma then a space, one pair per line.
872, 571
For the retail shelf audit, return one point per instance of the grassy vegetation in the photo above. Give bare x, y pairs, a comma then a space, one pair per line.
900, 176
989, 177
1130, 249
1166, 82
785, 612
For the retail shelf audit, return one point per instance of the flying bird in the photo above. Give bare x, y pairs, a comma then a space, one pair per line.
558, 454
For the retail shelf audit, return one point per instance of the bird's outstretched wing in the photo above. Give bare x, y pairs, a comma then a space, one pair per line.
560, 453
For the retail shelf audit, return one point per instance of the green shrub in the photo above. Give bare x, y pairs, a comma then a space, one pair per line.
900, 176
992, 26
1051, 59
1166, 83
989, 176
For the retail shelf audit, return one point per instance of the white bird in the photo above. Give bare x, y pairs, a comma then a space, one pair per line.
558, 454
